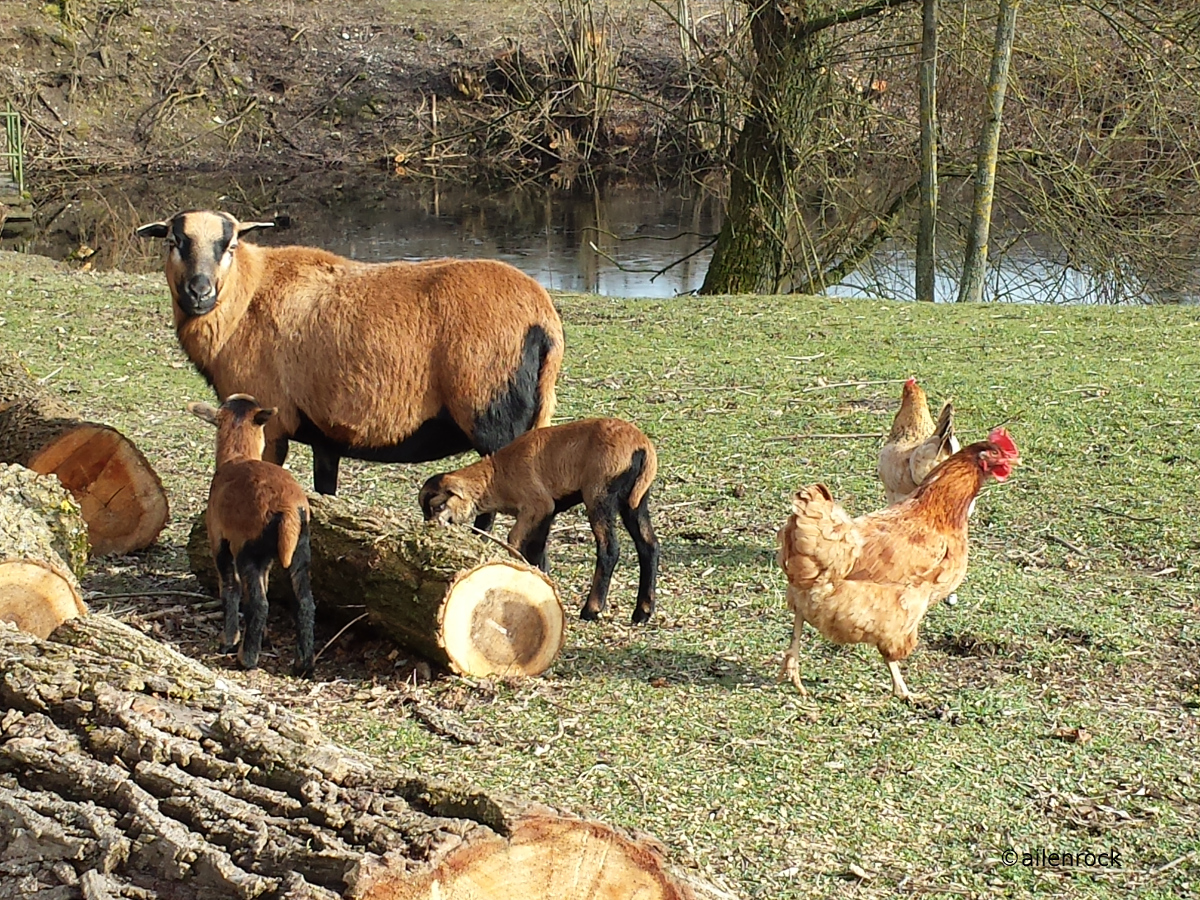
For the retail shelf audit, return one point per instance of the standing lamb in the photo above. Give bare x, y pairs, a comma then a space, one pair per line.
392, 362
256, 513
605, 464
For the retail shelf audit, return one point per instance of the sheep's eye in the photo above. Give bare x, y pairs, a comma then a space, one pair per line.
172, 242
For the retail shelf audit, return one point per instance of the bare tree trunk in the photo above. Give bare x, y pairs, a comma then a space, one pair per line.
927, 229
975, 264
783, 136
130, 771
753, 253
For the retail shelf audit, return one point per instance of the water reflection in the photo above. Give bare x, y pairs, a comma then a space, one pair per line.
622, 239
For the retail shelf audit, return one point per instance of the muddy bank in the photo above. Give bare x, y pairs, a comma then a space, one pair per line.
112, 85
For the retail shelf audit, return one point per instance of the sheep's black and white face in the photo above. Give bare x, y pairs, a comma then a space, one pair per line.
200, 253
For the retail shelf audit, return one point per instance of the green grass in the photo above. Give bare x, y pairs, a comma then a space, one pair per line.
1080, 608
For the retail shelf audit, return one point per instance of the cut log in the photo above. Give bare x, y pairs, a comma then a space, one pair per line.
128, 770
38, 588
445, 593
121, 496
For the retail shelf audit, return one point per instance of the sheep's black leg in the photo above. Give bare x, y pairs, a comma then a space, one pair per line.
637, 523
254, 582
603, 519
325, 469
305, 607
484, 521
533, 548
231, 593
276, 451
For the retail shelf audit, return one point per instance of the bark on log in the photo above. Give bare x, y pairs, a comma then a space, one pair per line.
128, 770
42, 541
445, 593
121, 496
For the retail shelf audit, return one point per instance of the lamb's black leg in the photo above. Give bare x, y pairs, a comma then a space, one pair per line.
637, 523
305, 607
231, 594
254, 582
603, 519
533, 548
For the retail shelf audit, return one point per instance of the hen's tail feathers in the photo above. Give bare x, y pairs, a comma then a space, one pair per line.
944, 429
820, 541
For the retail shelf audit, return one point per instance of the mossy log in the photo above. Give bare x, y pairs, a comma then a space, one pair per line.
42, 540
445, 593
121, 496
128, 770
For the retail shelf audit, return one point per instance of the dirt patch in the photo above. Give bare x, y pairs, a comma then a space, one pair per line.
111, 84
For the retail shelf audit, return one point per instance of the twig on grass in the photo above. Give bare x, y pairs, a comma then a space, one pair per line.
329, 643
833, 436
1062, 542
838, 384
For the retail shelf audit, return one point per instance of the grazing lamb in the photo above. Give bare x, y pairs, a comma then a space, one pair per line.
257, 513
392, 362
605, 464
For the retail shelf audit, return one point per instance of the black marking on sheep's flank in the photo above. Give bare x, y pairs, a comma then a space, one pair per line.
562, 504
514, 410
435, 438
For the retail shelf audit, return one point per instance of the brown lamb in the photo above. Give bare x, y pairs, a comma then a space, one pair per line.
256, 513
607, 465
393, 362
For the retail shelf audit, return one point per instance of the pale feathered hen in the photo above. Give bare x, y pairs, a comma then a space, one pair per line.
871, 580
915, 445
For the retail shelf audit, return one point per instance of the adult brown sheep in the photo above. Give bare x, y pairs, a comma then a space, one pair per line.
392, 362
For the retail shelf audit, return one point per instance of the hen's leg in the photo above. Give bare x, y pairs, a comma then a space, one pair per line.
899, 688
791, 661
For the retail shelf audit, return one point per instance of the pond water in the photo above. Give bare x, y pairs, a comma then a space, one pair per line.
628, 239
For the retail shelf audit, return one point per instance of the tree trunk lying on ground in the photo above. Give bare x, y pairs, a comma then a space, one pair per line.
128, 770
449, 595
43, 549
121, 496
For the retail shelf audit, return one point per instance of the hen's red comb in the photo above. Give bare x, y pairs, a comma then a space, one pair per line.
1003, 442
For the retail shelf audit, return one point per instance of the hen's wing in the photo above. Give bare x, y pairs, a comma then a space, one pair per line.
903, 551
820, 543
935, 449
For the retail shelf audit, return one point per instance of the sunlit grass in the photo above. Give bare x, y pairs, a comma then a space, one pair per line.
1066, 682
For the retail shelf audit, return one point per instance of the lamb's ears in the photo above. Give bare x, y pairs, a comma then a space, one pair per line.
264, 415
243, 227
202, 410
154, 230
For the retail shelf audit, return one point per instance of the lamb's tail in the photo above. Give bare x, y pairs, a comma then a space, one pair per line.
646, 476
290, 526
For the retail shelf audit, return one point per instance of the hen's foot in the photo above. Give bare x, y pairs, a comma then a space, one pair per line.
791, 670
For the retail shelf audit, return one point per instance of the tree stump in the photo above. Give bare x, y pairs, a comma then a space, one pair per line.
121, 496
445, 593
128, 770
42, 550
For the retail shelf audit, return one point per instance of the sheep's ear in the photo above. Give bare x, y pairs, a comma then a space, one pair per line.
264, 415
243, 227
154, 230
202, 410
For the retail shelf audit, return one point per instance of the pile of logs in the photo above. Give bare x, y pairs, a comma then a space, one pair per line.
130, 771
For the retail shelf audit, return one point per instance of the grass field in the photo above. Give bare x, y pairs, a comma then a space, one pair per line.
1065, 684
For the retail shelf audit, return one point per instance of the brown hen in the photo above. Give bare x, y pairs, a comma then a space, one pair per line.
915, 445
871, 580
